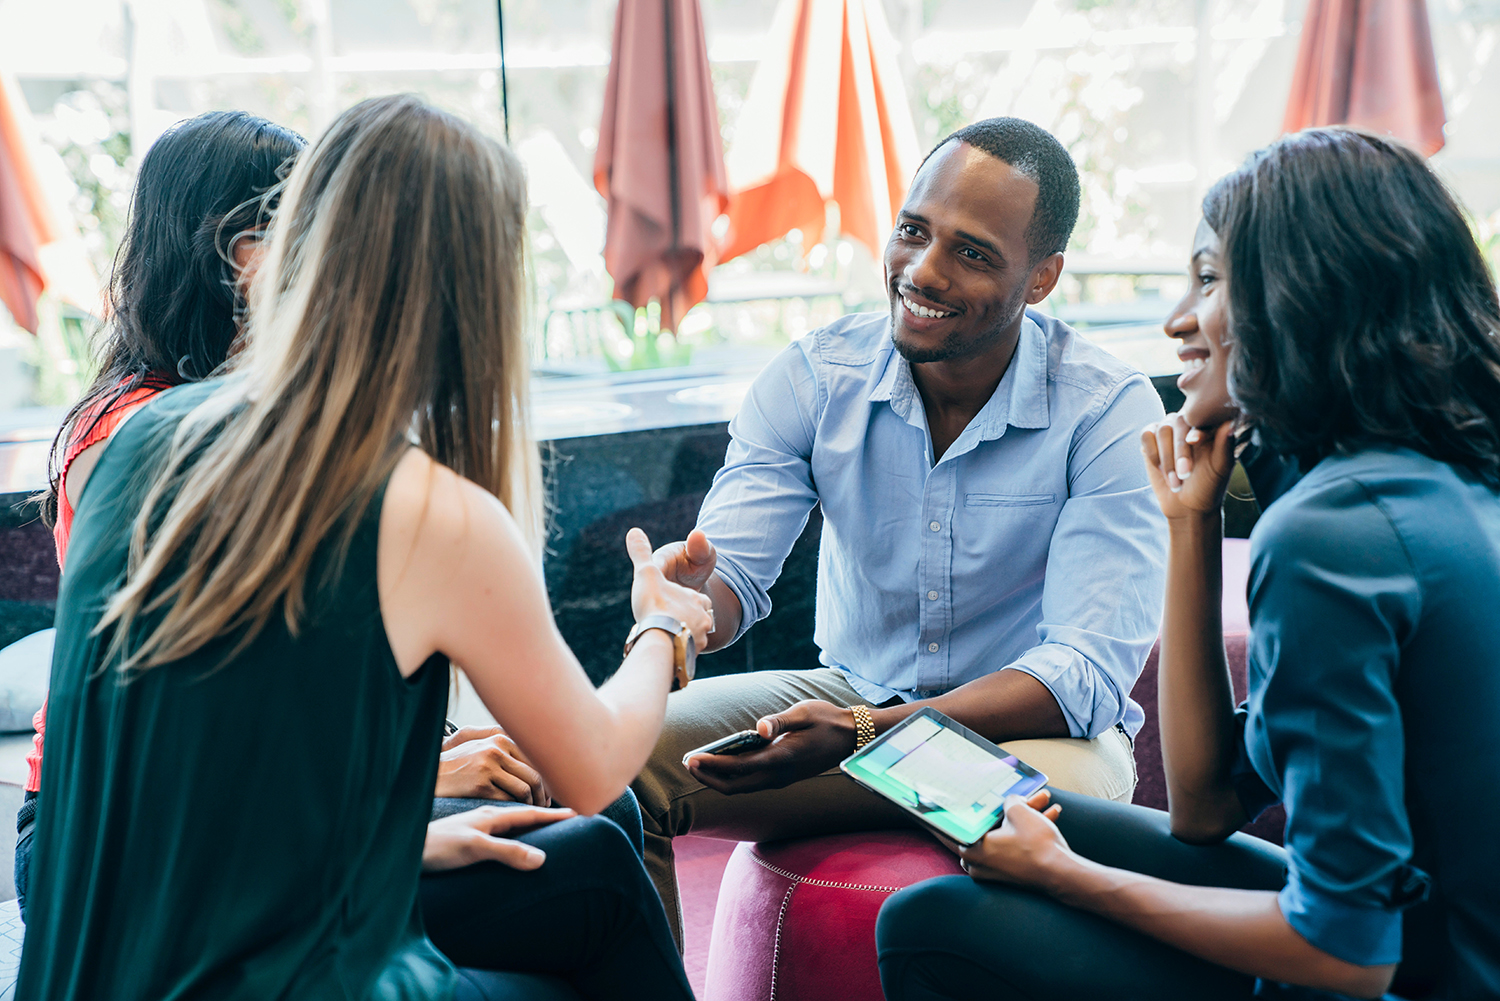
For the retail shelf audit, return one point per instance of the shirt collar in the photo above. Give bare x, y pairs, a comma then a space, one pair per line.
1019, 401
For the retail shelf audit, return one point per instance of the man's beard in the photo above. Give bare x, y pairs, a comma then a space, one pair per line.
954, 346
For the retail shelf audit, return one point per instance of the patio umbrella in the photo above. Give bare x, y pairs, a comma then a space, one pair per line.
826, 120
660, 162
24, 224
1368, 63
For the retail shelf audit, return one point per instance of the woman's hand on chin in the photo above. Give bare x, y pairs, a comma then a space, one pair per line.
1027, 849
1189, 467
466, 838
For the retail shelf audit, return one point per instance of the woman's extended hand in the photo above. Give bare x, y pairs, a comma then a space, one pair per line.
466, 838
652, 594
1026, 849
1189, 468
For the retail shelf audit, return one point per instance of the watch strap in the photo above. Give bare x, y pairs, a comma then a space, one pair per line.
684, 649
864, 726
665, 623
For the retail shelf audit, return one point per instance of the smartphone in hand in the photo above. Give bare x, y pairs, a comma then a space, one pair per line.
735, 743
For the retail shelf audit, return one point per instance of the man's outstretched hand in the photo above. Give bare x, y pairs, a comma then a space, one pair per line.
806, 740
689, 563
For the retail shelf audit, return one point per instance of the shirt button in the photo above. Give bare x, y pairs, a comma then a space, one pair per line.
935, 526
932, 648
932, 596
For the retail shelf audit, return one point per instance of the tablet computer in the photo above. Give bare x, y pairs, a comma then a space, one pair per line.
943, 773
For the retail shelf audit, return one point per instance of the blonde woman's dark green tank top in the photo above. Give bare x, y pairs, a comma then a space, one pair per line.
252, 832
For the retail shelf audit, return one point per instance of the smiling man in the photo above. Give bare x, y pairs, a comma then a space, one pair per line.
990, 544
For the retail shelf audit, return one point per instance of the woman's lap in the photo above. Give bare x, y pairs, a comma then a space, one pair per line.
625, 812
956, 938
589, 912
589, 915
1140, 839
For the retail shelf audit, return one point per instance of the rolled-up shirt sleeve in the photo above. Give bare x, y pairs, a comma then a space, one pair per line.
1333, 597
761, 498
1106, 571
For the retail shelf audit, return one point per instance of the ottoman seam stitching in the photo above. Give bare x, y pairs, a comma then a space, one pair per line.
776, 949
820, 882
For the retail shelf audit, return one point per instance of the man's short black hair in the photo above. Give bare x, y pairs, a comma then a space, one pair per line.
1035, 152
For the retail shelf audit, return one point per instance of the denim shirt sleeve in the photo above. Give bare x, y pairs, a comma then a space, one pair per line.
1106, 570
761, 498
1333, 598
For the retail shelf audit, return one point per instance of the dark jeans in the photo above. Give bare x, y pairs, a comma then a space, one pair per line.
25, 827
953, 937
588, 921
625, 812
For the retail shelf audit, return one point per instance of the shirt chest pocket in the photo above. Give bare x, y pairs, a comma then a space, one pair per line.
1009, 500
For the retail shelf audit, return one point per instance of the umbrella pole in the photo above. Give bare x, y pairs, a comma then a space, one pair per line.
671, 67
504, 90
674, 182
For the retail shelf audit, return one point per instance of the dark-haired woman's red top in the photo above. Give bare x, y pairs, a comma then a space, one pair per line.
96, 427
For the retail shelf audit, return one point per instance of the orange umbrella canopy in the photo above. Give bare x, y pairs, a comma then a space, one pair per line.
660, 162
826, 120
24, 224
1368, 63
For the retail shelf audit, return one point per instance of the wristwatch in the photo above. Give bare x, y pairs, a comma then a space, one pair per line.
684, 649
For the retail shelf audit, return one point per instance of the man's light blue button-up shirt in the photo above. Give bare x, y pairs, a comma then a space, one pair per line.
1034, 543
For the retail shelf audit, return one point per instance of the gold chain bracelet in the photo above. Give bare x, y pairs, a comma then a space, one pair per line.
864, 726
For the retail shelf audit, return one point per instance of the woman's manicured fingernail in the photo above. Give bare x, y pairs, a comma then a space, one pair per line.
536, 855
1184, 467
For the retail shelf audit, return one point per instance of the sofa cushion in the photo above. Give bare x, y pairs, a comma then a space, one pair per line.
25, 667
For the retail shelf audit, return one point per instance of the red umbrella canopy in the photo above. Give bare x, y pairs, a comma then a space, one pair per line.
23, 221
1368, 63
660, 163
826, 120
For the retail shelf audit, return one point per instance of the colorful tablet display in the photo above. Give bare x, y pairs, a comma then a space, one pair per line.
944, 773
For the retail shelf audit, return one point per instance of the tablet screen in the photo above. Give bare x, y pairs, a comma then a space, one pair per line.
945, 773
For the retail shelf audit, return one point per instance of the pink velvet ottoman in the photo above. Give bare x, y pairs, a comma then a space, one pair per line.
796, 919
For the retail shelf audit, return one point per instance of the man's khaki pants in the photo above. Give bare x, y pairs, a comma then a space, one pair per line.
673, 802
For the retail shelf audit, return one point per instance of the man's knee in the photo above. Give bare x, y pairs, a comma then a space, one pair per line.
659, 782
700, 713
1103, 767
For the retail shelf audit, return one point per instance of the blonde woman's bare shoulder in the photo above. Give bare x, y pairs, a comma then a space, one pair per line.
444, 543
428, 505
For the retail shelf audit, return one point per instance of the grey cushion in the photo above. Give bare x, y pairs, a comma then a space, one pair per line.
25, 666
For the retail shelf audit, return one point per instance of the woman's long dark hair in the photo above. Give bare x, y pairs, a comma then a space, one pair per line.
173, 304
1361, 311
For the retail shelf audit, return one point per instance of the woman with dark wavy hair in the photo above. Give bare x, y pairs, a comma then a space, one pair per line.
176, 301
177, 292
1342, 320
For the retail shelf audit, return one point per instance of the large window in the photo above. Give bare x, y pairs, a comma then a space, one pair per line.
1155, 98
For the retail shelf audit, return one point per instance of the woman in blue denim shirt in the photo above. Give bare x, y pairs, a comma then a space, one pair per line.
1343, 320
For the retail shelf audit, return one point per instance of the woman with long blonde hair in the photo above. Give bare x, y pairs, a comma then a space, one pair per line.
268, 576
